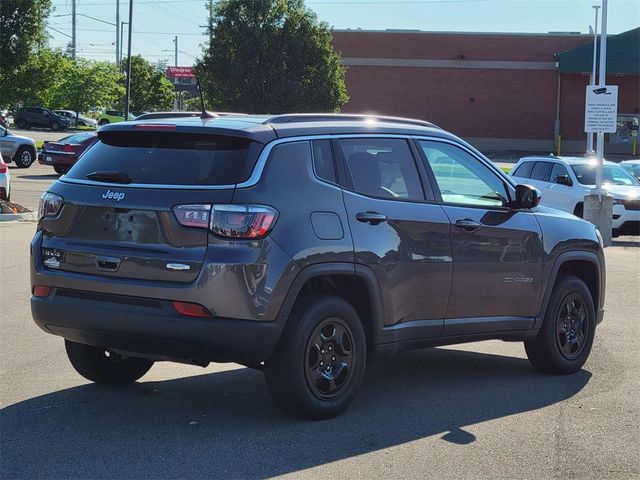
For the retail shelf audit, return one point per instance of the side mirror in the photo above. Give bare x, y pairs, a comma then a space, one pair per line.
563, 180
527, 197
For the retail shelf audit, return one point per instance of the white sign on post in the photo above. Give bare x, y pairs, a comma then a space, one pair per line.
601, 109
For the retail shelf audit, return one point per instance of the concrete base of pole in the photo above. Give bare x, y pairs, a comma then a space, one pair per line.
599, 211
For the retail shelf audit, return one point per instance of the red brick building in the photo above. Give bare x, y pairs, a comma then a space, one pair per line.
500, 91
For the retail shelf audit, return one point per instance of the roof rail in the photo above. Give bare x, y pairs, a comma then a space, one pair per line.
343, 117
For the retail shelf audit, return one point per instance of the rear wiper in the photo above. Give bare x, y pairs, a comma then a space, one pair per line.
110, 177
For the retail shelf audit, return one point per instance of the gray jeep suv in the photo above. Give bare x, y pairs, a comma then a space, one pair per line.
303, 245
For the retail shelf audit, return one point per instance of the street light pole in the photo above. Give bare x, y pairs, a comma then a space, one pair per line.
117, 35
128, 84
175, 57
593, 72
73, 29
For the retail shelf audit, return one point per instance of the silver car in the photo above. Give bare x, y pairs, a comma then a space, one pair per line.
21, 150
82, 120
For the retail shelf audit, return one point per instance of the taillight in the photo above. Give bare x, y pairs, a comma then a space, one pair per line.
3, 167
229, 221
68, 149
49, 205
193, 215
242, 221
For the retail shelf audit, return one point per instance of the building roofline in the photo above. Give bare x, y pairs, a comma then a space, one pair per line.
450, 32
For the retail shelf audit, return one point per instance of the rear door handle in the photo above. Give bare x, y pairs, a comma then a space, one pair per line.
468, 225
372, 218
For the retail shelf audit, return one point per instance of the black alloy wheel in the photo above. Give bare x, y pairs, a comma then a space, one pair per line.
329, 358
572, 326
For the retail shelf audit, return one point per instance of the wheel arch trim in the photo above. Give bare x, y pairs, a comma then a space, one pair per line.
562, 259
319, 270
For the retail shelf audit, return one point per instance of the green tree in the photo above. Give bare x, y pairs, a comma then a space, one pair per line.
85, 84
22, 31
271, 56
150, 89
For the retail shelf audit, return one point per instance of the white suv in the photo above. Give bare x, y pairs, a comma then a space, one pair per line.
564, 181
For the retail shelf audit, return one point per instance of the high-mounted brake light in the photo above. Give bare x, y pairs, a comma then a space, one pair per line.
154, 126
250, 222
49, 205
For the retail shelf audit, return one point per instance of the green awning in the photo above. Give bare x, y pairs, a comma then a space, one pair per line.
623, 55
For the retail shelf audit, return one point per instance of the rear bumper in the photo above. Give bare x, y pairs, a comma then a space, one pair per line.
151, 327
57, 160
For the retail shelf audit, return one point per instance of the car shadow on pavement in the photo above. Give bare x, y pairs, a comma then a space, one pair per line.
45, 176
224, 425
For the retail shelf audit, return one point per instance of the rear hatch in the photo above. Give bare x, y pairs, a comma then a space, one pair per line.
118, 217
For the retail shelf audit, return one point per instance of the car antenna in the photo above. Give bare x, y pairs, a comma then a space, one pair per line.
204, 113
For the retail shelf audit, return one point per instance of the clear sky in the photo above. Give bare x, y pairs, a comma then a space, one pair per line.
156, 22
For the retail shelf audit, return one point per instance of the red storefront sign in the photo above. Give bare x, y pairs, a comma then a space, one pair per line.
180, 72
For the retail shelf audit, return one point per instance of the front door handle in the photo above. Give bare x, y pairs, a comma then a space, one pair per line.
372, 218
468, 225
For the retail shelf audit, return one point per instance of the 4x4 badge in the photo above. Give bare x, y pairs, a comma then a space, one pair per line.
178, 266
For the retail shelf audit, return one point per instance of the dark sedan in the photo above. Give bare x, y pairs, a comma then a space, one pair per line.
64, 153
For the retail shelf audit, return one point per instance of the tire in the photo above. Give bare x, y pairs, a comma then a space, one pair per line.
553, 350
56, 127
21, 124
322, 330
103, 121
579, 210
60, 170
95, 364
24, 157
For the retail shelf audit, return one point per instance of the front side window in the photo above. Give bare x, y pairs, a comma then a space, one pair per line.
558, 171
462, 178
382, 167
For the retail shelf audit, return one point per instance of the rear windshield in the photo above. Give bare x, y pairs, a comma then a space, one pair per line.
76, 138
170, 158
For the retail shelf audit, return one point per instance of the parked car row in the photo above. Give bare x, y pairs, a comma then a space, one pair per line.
564, 182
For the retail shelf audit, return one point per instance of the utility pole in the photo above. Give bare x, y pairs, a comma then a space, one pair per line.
117, 33
175, 57
128, 84
593, 73
73, 29
602, 81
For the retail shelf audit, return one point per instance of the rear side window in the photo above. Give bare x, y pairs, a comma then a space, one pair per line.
323, 160
170, 158
382, 168
524, 170
558, 171
541, 171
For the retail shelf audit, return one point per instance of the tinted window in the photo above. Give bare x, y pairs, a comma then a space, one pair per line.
462, 178
541, 171
557, 171
170, 158
33, 110
382, 168
524, 170
323, 160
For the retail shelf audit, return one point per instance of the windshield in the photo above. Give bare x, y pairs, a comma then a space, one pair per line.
613, 175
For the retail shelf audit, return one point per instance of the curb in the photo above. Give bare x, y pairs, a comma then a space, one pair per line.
19, 217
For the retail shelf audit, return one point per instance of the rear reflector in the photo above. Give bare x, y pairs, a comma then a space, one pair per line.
154, 126
191, 310
41, 291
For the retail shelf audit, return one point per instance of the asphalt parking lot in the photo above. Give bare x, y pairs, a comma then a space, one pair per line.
473, 411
